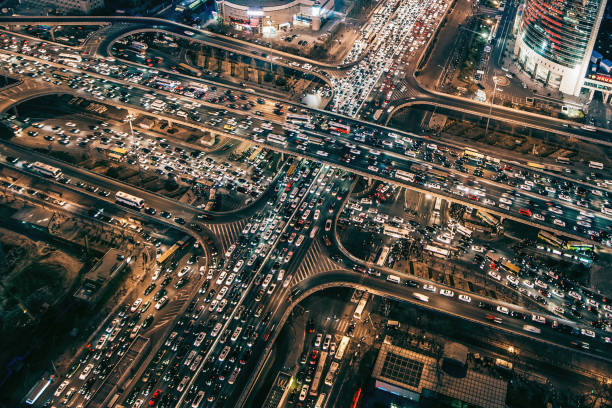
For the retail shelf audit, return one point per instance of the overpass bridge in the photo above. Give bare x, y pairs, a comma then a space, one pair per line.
35, 91
420, 94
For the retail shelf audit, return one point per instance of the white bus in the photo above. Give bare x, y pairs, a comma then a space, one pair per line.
129, 200
342, 348
393, 278
360, 307
70, 57
436, 251
596, 165
383, 255
315, 141
297, 119
46, 170
464, 230
331, 374
404, 175
314, 386
278, 139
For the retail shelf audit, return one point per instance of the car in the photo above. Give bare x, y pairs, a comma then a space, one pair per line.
318, 339
136, 304
304, 392
447, 292
327, 342
429, 287
465, 298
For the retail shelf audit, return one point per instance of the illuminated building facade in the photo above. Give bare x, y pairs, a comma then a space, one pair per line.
555, 40
270, 16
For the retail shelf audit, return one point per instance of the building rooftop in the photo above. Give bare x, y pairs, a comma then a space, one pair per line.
405, 369
101, 274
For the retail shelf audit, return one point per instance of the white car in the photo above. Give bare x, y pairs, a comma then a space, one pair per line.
494, 275
465, 298
587, 332
528, 283
184, 271
61, 388
136, 304
318, 339
429, 287
304, 392
85, 373
503, 309
447, 292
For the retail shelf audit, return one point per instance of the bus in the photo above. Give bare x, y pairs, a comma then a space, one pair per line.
393, 279
62, 75
168, 255
473, 155
487, 218
37, 390
195, 5
563, 160
339, 127
510, 267
404, 176
437, 206
117, 153
129, 200
314, 386
321, 400
596, 165
377, 114
437, 251
137, 45
383, 255
254, 155
579, 246
463, 230
331, 374
550, 238
46, 170
361, 306
278, 139
166, 83
70, 57
291, 170
342, 348
315, 141
297, 119
186, 69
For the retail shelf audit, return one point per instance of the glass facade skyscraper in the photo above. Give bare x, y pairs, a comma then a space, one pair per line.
555, 40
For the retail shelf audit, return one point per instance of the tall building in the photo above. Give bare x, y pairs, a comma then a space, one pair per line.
555, 40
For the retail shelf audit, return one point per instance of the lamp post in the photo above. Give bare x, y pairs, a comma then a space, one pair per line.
491, 106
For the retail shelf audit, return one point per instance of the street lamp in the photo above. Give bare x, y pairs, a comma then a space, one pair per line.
495, 88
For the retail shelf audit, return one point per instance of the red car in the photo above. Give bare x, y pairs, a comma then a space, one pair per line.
525, 211
156, 396
314, 356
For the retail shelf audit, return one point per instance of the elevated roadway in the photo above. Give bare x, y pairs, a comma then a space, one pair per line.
422, 95
441, 304
358, 168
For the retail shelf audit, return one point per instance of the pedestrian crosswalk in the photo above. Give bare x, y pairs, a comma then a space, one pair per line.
227, 233
172, 309
316, 260
340, 327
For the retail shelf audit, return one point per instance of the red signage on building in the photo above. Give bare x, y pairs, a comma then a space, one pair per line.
601, 77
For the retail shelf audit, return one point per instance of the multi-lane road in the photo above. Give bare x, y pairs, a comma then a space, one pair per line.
247, 299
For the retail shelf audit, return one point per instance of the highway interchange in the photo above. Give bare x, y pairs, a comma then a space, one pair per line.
280, 227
